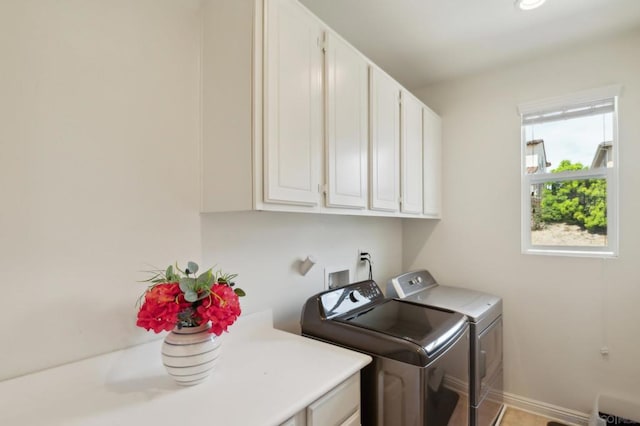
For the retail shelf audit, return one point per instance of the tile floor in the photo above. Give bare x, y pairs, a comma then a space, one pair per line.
515, 417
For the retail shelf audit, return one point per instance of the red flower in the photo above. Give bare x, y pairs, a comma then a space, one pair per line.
213, 300
222, 308
161, 307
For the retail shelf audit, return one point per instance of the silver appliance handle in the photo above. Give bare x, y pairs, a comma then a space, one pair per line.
483, 364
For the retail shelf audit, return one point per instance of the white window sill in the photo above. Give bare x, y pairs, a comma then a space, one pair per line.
571, 253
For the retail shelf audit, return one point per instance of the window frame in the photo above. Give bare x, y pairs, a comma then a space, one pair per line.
611, 174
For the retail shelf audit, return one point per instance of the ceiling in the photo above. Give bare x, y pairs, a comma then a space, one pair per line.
420, 42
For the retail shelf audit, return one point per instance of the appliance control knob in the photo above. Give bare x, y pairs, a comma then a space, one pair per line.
353, 297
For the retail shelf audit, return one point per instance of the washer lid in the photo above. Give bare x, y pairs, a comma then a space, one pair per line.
429, 328
357, 316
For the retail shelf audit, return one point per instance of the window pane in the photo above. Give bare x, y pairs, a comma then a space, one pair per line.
569, 213
586, 141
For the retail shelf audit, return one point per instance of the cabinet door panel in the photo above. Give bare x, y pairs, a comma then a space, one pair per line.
354, 420
337, 406
385, 142
293, 104
411, 155
432, 164
346, 123
300, 419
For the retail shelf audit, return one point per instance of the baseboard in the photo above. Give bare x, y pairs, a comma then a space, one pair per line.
456, 384
561, 414
564, 415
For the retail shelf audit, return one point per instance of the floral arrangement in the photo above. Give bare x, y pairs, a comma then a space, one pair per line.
178, 298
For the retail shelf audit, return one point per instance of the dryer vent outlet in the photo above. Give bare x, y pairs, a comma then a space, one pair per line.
336, 277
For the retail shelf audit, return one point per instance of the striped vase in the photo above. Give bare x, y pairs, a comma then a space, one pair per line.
190, 353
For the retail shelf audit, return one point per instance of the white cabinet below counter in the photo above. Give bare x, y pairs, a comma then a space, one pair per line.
264, 377
339, 407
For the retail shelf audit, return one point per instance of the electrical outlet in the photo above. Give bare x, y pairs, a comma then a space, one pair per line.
360, 253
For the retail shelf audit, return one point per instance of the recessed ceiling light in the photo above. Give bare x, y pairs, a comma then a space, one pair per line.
529, 4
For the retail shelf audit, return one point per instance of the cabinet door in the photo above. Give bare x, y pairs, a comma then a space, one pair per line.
346, 124
338, 406
300, 419
293, 100
354, 420
385, 141
411, 155
432, 164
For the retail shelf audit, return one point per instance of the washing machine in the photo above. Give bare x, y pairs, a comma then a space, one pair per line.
416, 351
484, 312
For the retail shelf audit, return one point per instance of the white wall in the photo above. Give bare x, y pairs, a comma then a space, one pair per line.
99, 136
265, 249
99, 127
559, 311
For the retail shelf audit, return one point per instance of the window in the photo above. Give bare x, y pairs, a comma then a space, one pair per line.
569, 174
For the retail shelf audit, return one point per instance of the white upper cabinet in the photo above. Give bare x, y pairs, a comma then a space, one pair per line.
432, 164
411, 155
346, 73
385, 141
295, 119
293, 99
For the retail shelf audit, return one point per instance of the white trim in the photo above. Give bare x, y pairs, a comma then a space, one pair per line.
456, 384
608, 251
564, 415
599, 173
570, 251
597, 107
501, 415
581, 97
610, 174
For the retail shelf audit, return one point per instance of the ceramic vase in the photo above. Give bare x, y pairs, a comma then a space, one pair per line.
190, 354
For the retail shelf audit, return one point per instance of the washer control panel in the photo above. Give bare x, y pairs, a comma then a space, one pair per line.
369, 290
349, 298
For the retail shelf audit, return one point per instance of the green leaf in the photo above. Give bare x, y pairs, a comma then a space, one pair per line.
204, 294
206, 278
190, 296
192, 267
226, 278
187, 284
240, 292
169, 273
155, 278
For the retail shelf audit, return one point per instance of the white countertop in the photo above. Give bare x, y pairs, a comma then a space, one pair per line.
264, 377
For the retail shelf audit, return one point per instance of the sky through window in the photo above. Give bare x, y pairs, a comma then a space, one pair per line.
575, 139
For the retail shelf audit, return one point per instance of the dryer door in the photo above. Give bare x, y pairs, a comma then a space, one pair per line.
489, 353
